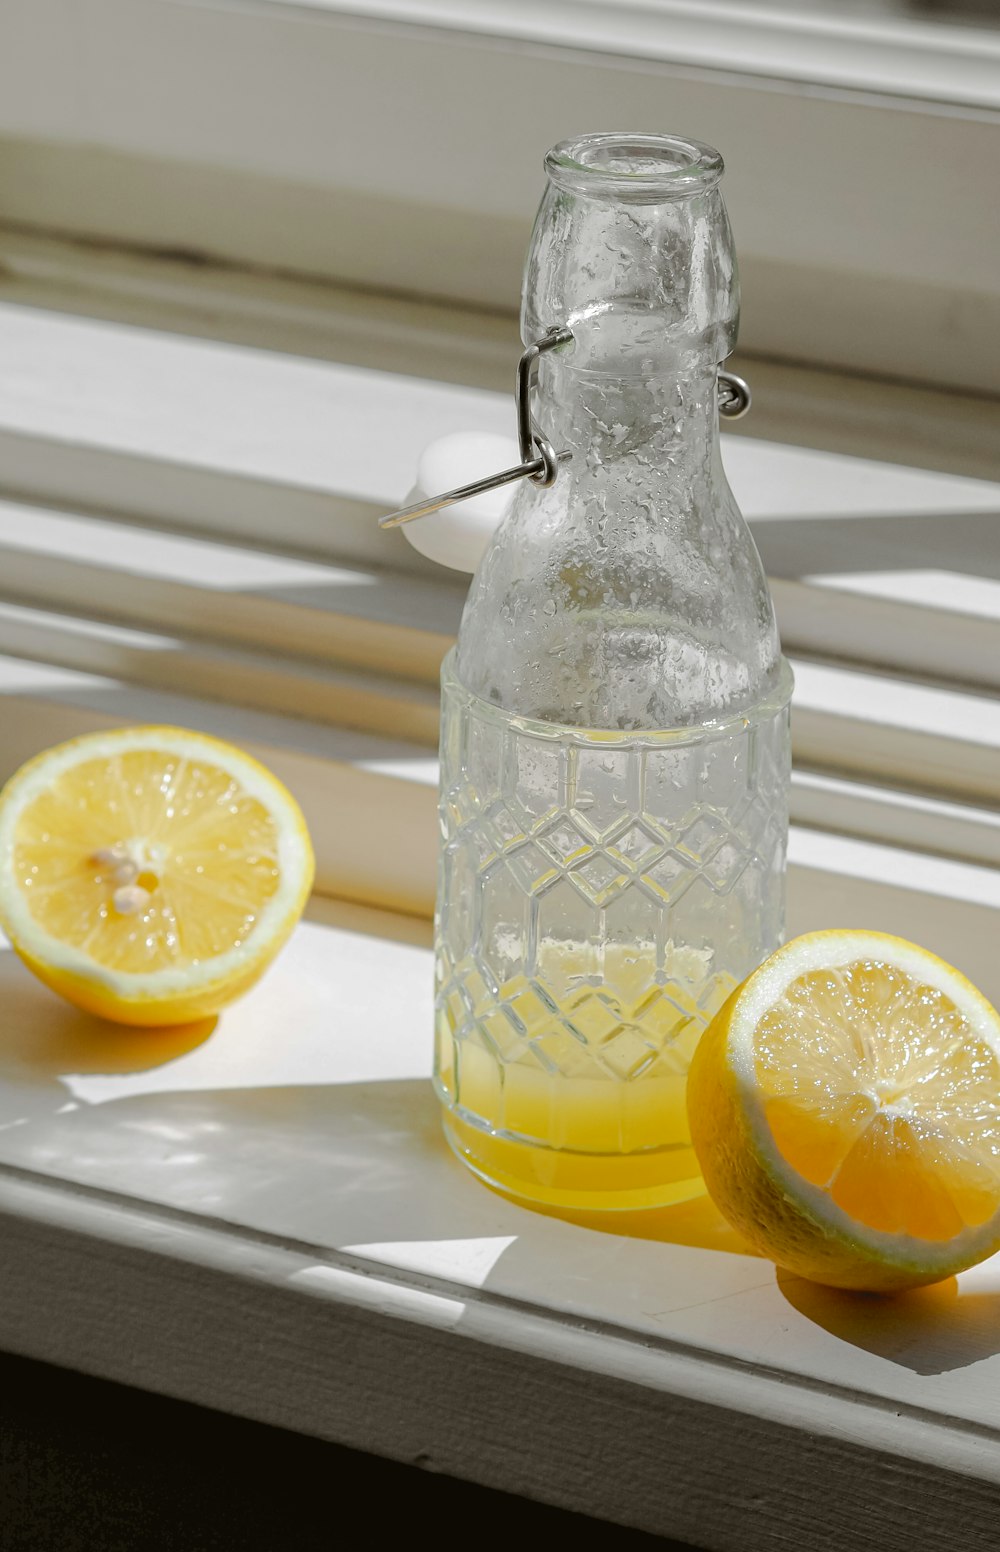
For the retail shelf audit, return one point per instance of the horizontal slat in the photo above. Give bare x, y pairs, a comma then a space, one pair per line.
831, 620
909, 735
358, 615
288, 453
336, 702
220, 606
856, 726
385, 622
864, 417
208, 609
301, 316
888, 816
96, 386
892, 52
284, 451
369, 802
353, 701
843, 860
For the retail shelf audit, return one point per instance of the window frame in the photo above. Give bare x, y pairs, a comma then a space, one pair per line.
231, 130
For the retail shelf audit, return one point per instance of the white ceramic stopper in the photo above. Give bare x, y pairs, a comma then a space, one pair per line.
457, 536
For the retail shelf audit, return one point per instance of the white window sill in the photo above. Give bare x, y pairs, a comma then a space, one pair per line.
268, 1222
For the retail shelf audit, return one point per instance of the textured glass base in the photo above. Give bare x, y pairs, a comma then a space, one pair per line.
585, 1182
600, 896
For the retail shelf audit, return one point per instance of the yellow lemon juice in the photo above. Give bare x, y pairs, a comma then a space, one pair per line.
568, 1089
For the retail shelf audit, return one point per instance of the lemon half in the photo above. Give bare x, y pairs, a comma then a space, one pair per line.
150, 874
845, 1110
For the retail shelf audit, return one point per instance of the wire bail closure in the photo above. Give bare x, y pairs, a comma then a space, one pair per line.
539, 459
734, 395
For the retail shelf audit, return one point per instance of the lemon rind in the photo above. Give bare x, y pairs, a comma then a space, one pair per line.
295, 860
833, 950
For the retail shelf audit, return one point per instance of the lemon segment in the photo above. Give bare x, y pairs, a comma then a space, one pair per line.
150, 874
845, 1110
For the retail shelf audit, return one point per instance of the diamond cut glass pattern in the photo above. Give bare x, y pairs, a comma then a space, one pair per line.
599, 897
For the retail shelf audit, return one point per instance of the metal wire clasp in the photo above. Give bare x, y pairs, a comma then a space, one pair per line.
734, 395
539, 459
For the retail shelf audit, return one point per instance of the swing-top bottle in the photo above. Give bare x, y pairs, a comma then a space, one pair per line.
614, 737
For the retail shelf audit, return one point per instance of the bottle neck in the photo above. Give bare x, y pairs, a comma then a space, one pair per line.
651, 428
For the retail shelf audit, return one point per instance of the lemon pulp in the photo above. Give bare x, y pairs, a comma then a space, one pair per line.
845, 1110
205, 853
878, 1090
150, 874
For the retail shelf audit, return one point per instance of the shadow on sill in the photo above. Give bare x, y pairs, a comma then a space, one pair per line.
361, 1167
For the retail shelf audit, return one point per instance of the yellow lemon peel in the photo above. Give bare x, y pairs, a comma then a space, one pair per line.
845, 1110
150, 874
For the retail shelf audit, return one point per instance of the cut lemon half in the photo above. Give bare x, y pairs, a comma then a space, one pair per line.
845, 1110
150, 874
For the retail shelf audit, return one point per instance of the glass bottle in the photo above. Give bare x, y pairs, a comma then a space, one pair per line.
614, 737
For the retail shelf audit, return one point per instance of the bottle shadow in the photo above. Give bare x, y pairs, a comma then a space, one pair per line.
696, 1223
366, 1140
933, 1330
363, 1166
364, 1163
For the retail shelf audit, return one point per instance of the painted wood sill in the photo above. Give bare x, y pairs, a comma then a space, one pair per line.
263, 1218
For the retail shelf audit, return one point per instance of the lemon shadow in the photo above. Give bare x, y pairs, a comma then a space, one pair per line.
80, 1042
929, 1330
43, 1038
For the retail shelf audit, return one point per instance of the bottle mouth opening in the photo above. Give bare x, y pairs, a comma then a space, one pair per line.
643, 168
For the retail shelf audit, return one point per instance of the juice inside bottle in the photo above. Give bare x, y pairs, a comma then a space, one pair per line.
578, 1102
614, 726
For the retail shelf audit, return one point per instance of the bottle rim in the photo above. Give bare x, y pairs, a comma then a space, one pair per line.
637, 167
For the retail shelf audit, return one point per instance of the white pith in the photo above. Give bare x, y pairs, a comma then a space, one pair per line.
765, 987
256, 782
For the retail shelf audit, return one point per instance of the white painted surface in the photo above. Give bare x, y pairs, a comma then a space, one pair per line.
930, 589
307, 1115
887, 702
386, 854
27, 686
280, 418
283, 452
850, 857
866, 417
911, 736
898, 53
360, 616
350, 431
292, 1153
844, 259
892, 817
328, 695
369, 801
